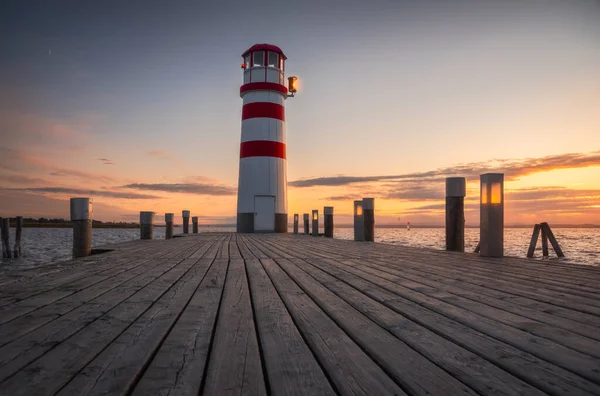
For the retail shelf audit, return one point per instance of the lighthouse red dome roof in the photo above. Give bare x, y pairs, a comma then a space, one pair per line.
265, 47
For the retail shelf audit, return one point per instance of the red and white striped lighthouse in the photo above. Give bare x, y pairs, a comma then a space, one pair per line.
262, 185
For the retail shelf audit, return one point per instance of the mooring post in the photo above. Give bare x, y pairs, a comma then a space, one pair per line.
146, 225
553, 240
17, 251
295, 223
306, 224
491, 218
195, 224
5, 238
186, 221
456, 190
315, 223
545, 252
81, 218
369, 218
533, 242
359, 221
328, 221
169, 217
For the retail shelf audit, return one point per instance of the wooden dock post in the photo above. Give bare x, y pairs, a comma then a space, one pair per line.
5, 225
369, 218
359, 221
169, 217
186, 221
553, 240
295, 223
18, 250
533, 242
306, 227
81, 217
455, 213
328, 221
146, 225
195, 224
545, 252
315, 223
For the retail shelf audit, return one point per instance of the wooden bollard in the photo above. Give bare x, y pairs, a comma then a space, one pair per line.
328, 221
169, 217
315, 223
5, 225
81, 218
306, 224
186, 221
295, 223
18, 250
146, 225
552, 239
455, 214
195, 224
533, 242
369, 218
545, 252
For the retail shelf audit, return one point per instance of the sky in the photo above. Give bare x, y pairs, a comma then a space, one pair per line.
136, 104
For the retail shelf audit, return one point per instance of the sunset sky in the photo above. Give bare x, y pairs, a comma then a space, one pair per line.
136, 104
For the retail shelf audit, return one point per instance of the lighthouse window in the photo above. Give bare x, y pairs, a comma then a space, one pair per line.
258, 58
247, 60
273, 57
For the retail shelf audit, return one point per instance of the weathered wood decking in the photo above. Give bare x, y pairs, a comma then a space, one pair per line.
225, 314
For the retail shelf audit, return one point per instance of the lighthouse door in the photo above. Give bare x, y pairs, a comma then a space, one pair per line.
264, 213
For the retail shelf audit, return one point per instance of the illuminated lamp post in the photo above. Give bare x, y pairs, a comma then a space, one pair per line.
359, 221
491, 228
315, 223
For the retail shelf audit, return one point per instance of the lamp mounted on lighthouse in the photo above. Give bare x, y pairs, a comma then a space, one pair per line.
262, 183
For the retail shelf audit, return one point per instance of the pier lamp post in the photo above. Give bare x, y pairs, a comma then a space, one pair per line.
295, 223
491, 228
359, 221
315, 223
369, 219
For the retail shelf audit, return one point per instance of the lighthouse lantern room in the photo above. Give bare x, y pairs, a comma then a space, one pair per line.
262, 184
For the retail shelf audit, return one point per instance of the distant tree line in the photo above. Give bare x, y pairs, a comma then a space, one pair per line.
44, 222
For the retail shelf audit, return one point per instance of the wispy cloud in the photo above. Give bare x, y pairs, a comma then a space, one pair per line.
159, 154
186, 188
84, 192
511, 168
105, 161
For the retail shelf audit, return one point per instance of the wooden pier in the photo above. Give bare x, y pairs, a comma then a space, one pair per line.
221, 314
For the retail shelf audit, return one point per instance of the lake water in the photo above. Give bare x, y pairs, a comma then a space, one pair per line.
42, 246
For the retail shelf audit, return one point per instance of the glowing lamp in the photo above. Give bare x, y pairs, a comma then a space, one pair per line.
243, 65
491, 229
315, 223
359, 221
295, 223
293, 84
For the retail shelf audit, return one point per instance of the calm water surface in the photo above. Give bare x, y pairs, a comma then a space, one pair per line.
49, 245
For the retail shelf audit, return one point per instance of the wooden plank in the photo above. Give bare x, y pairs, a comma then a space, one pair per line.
534, 239
179, 365
119, 365
563, 337
471, 369
537, 372
552, 239
290, 365
413, 372
17, 354
53, 370
552, 352
234, 364
350, 370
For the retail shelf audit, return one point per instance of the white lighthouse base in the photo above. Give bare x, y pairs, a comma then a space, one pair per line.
245, 223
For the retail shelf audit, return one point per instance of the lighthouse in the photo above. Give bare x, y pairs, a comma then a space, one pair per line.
262, 183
